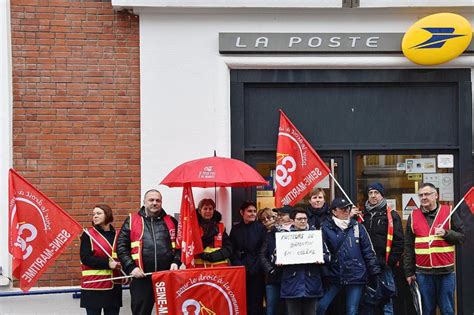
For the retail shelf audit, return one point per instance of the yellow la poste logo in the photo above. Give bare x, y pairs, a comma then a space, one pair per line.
437, 39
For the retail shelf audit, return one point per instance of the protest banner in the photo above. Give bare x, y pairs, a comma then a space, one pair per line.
219, 290
299, 247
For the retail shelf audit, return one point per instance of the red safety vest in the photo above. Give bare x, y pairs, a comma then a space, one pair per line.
440, 253
88, 273
136, 236
200, 263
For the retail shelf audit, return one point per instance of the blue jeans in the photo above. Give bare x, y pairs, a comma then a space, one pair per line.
437, 290
353, 294
272, 298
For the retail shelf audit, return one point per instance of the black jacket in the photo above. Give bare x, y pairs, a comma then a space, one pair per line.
317, 216
267, 257
98, 298
157, 251
454, 236
210, 230
247, 239
376, 224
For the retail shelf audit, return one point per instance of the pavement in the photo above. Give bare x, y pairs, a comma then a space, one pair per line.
49, 304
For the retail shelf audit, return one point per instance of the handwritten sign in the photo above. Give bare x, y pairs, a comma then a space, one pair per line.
299, 247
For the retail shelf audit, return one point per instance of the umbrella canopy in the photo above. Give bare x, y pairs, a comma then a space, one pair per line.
214, 172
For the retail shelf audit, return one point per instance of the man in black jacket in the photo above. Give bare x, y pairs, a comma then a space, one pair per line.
148, 246
384, 226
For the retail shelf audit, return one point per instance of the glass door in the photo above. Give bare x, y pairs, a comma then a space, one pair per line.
401, 175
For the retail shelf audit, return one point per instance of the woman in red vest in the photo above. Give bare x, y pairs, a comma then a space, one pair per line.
96, 251
215, 241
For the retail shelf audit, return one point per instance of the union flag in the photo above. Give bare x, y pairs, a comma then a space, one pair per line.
39, 230
469, 199
298, 167
189, 239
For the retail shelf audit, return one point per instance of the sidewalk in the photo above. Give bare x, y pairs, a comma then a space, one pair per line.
50, 304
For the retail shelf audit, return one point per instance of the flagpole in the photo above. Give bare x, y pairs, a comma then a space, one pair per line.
450, 214
114, 278
100, 246
345, 195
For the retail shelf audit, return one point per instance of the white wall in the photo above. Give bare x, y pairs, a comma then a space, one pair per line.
185, 103
5, 129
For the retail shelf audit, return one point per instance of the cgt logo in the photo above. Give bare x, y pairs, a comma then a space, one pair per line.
437, 39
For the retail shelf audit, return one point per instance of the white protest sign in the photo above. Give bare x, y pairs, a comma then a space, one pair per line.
299, 247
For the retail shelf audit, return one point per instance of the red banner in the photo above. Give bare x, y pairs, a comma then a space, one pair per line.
189, 239
469, 199
39, 230
298, 167
201, 291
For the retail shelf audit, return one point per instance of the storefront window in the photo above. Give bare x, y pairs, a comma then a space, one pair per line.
401, 176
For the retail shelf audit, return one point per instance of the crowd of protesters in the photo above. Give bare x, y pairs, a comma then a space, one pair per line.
360, 250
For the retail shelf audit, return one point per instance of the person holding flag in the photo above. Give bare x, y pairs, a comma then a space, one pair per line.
430, 237
97, 263
215, 241
147, 243
353, 262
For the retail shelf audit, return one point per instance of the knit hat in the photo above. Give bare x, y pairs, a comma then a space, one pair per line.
376, 186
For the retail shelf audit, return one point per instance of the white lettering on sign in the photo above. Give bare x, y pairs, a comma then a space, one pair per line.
282, 176
261, 40
161, 301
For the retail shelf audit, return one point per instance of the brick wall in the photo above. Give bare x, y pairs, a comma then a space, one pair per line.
76, 110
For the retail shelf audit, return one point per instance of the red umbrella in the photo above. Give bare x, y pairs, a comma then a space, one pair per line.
214, 172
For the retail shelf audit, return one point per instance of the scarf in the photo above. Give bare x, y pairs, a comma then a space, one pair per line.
376, 207
342, 224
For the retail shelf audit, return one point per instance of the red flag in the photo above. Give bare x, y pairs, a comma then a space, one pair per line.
298, 167
469, 199
189, 236
39, 230
219, 290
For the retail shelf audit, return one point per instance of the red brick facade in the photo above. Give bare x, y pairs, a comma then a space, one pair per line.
76, 110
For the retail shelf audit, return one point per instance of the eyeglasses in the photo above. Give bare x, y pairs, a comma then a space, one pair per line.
301, 219
426, 194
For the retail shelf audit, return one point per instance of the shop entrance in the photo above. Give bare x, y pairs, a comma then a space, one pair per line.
397, 127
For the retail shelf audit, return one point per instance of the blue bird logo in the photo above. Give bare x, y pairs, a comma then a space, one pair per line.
439, 36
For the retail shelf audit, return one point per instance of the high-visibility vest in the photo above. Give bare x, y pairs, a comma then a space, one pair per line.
136, 236
200, 263
440, 253
89, 273
388, 248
